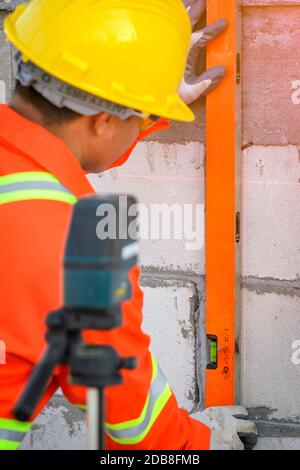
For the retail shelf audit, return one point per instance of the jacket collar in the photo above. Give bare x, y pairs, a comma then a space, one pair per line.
46, 149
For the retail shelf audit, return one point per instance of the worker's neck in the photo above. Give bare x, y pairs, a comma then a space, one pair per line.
63, 132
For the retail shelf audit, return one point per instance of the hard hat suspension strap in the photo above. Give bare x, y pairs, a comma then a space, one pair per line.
62, 94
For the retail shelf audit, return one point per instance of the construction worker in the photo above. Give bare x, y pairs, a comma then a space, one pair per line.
91, 78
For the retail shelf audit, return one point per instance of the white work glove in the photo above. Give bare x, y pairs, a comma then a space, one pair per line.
230, 427
194, 86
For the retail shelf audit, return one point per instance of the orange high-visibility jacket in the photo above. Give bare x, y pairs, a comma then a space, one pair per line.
40, 180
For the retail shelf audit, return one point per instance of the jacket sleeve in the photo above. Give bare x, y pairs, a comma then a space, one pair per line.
142, 413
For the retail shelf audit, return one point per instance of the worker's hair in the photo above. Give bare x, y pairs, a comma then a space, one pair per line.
51, 114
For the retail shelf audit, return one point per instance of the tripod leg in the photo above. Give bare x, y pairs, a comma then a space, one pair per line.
37, 383
96, 439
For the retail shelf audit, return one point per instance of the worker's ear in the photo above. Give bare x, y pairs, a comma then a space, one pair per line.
101, 124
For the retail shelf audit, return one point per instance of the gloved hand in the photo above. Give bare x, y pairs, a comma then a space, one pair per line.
195, 9
230, 427
193, 86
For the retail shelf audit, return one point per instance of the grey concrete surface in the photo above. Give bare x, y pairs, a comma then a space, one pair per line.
278, 443
62, 427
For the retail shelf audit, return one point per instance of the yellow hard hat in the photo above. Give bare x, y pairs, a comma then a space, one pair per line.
129, 52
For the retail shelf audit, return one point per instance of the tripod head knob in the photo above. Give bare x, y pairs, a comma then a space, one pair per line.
129, 363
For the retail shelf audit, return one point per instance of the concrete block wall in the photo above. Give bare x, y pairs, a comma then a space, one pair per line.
168, 173
271, 209
170, 168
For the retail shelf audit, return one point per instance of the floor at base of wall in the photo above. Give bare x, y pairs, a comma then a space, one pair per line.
62, 427
278, 443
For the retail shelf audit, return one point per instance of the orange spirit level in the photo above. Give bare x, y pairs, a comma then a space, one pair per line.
223, 155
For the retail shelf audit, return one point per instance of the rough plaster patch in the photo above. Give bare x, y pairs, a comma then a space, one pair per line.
261, 412
60, 426
268, 285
